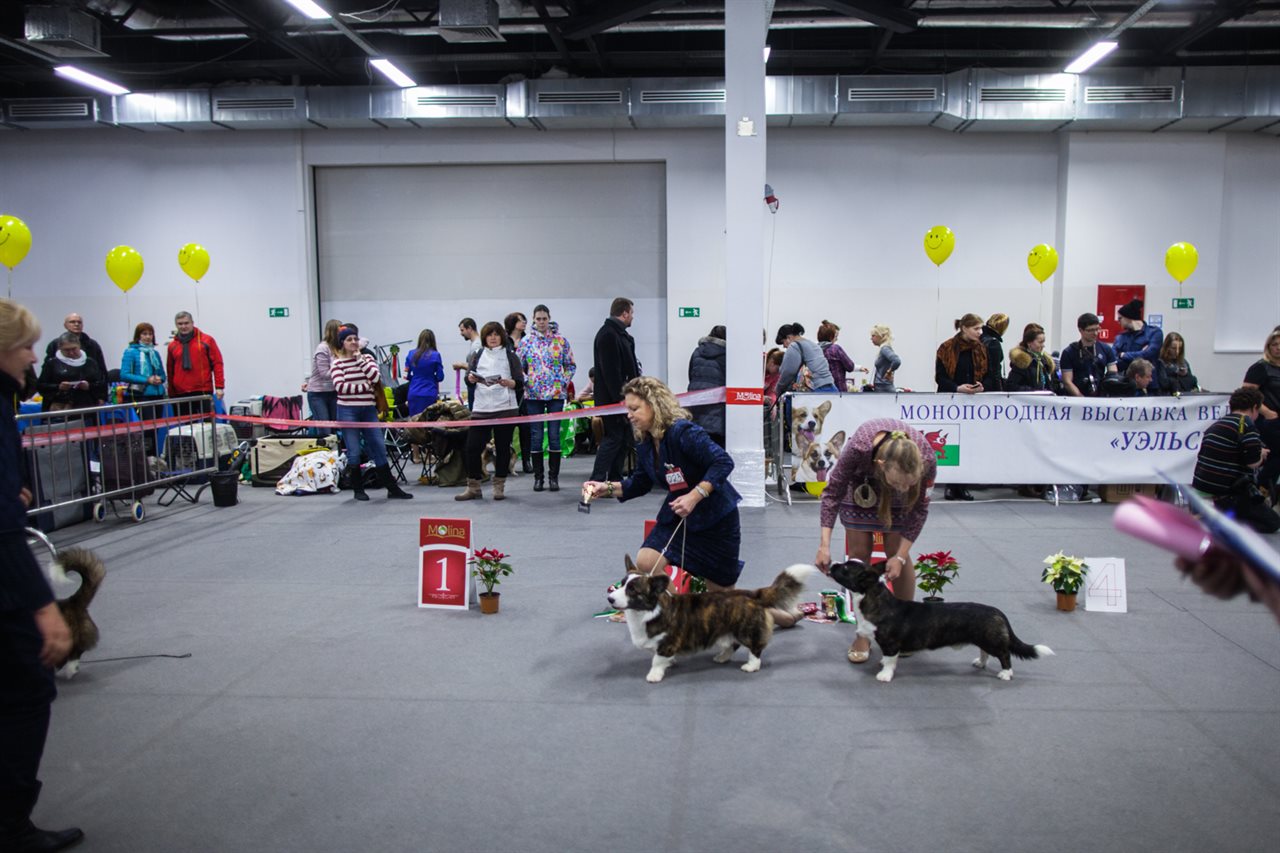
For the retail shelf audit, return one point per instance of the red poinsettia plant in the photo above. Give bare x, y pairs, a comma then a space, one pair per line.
934, 571
489, 564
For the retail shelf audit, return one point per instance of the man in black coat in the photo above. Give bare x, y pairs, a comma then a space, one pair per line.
615, 365
74, 323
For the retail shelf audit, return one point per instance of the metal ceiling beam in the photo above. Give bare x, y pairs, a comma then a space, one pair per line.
610, 15
553, 30
881, 14
1226, 12
276, 37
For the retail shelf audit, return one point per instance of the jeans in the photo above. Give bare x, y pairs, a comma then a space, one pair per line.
372, 435
324, 407
541, 407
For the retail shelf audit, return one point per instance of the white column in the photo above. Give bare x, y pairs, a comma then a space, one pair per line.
745, 32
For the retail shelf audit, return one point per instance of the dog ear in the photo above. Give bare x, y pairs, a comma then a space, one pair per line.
659, 583
837, 441
631, 567
823, 409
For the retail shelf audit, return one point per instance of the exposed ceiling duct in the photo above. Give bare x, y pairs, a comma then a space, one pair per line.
469, 21
1143, 100
62, 31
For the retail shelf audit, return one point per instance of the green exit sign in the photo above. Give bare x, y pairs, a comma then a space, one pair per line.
1188, 302
277, 312
690, 312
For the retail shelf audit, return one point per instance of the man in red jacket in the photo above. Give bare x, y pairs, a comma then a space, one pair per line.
194, 362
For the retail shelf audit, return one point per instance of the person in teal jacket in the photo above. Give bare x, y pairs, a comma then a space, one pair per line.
142, 367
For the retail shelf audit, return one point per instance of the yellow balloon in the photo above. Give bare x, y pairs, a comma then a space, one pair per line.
15, 240
1181, 261
939, 243
124, 266
194, 260
1042, 261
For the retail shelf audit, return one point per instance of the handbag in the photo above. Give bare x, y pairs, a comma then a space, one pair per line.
380, 400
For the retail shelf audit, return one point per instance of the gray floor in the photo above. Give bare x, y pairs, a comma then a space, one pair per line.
320, 710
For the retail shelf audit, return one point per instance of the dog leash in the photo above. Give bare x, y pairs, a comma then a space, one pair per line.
683, 538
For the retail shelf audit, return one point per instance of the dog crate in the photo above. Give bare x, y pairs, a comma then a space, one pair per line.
193, 446
247, 409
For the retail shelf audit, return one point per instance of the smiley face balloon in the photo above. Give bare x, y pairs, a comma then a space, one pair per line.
939, 243
194, 260
15, 240
1042, 262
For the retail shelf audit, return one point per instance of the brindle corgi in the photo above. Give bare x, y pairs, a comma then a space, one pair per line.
75, 610
672, 624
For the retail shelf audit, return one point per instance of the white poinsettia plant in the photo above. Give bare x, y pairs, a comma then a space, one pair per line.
1064, 572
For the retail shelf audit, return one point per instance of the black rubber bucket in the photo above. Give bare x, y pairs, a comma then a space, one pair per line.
223, 485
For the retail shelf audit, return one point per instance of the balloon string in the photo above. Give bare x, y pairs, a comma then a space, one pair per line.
197, 290
10, 282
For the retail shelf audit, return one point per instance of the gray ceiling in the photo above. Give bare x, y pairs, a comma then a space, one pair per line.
150, 45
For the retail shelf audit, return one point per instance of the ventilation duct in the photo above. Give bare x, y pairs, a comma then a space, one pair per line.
894, 101
469, 21
62, 31
799, 101
577, 103
1193, 99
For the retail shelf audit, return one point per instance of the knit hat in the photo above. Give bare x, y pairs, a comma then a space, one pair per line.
344, 333
1132, 310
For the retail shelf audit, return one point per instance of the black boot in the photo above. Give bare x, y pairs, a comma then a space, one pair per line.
42, 840
388, 480
957, 493
539, 484
553, 472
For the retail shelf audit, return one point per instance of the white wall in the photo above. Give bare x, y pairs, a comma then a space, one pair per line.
846, 244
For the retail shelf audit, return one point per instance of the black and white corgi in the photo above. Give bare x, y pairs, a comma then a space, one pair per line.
912, 626
670, 624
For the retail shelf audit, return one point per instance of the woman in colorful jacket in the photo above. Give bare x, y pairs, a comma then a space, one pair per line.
547, 362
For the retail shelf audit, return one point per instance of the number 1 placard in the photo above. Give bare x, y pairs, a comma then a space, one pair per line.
1104, 586
444, 547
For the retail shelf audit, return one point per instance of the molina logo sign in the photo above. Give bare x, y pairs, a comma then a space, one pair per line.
945, 441
744, 396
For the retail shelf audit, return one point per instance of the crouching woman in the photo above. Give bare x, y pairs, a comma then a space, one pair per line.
697, 526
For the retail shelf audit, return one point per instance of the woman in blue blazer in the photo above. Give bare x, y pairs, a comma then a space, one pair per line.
675, 454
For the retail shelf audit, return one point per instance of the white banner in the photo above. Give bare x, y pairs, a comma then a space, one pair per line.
1018, 438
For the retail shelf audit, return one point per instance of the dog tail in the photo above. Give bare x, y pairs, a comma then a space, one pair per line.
784, 593
1019, 649
86, 564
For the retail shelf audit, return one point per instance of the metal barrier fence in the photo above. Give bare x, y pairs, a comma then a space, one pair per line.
105, 454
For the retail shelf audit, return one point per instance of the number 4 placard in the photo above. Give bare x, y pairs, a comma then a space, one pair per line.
1104, 587
444, 547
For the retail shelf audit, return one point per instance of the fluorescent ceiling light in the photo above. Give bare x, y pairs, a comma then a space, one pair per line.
395, 75
92, 81
1090, 56
310, 9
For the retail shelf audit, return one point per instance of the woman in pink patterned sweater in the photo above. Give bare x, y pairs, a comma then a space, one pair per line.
880, 485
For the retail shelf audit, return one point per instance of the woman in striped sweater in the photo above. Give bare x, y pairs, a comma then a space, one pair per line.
354, 377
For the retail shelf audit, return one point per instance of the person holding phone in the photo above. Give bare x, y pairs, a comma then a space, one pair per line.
493, 371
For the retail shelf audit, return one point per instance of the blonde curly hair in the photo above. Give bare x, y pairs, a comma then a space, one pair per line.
666, 408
